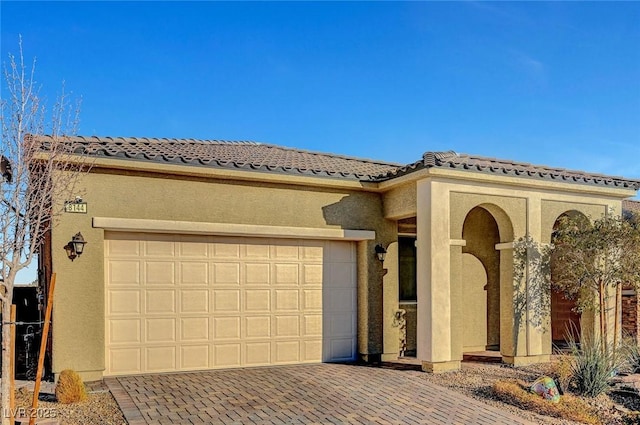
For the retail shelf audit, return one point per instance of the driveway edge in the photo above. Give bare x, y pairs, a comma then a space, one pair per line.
129, 410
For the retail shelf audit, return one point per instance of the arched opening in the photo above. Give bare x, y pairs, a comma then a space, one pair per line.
565, 321
480, 282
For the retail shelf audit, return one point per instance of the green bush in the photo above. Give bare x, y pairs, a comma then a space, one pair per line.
593, 365
631, 353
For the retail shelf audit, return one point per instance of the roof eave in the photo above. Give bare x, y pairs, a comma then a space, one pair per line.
530, 182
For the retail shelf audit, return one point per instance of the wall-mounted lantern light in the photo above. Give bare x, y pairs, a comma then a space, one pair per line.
380, 253
75, 247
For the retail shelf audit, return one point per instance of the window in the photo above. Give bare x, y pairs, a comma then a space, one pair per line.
407, 268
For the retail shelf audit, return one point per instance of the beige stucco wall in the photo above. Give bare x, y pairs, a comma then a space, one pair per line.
78, 340
400, 202
481, 234
520, 207
440, 202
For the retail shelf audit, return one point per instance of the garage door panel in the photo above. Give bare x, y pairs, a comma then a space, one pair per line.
194, 329
285, 252
125, 361
341, 325
313, 252
312, 325
340, 252
124, 331
341, 299
194, 301
258, 326
191, 247
159, 248
287, 326
227, 273
123, 247
256, 250
286, 274
194, 357
286, 352
191, 302
286, 300
226, 301
160, 359
226, 250
312, 299
122, 272
123, 302
339, 274
226, 355
312, 274
160, 301
257, 274
342, 349
194, 273
311, 351
258, 353
226, 328
159, 272
257, 300
160, 330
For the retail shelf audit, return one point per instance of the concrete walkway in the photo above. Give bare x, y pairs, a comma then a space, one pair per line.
303, 394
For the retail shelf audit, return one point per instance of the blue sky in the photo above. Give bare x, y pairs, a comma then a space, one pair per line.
552, 83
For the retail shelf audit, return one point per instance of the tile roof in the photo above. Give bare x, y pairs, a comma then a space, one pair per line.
271, 158
224, 154
453, 160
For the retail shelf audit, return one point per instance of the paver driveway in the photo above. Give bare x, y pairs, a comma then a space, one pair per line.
304, 394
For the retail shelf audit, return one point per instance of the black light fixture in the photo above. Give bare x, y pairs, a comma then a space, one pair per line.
75, 247
380, 253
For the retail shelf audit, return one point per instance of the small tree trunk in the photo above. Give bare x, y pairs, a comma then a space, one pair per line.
6, 364
603, 318
12, 369
616, 327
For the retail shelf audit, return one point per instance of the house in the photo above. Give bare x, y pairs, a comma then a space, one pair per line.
213, 254
630, 306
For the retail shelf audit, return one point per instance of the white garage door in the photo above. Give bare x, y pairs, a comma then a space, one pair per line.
179, 302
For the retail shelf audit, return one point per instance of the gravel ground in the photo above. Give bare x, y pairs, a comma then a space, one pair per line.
99, 408
476, 380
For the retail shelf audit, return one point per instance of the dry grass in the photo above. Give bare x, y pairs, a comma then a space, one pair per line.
563, 369
569, 407
70, 388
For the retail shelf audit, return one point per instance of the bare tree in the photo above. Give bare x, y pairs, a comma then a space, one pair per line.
37, 173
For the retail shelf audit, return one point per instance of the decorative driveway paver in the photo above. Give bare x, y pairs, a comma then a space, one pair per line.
302, 394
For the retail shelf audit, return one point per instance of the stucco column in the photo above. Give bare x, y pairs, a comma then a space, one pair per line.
538, 309
391, 336
433, 278
457, 306
530, 309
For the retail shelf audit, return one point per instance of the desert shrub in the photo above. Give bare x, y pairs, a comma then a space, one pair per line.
631, 353
569, 407
70, 388
563, 372
593, 365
